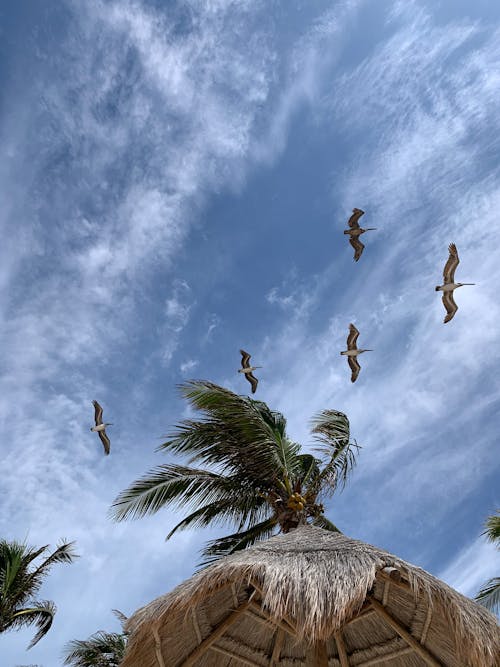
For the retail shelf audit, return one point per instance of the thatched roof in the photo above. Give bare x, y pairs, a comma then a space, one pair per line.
312, 597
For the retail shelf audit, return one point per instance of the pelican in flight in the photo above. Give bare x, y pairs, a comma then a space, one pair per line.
247, 370
450, 284
100, 426
352, 352
355, 232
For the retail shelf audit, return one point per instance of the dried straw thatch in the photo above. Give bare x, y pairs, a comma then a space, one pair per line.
312, 597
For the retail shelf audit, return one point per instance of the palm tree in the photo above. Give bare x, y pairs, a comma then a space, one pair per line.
489, 595
102, 649
19, 584
253, 474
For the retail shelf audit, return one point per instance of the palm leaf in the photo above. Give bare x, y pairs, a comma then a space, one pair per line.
102, 649
41, 615
322, 522
121, 617
243, 508
489, 595
237, 433
331, 429
64, 553
172, 483
224, 546
492, 531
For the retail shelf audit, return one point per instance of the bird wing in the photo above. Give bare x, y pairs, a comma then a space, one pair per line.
358, 248
352, 337
451, 264
450, 305
105, 441
97, 413
253, 381
245, 359
355, 367
353, 220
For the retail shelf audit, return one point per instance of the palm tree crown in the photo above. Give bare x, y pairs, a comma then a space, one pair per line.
20, 582
489, 595
253, 474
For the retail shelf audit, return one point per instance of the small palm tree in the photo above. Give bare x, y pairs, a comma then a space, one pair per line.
254, 475
489, 595
19, 584
102, 649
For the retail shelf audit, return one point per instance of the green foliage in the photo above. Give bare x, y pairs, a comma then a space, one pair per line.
20, 581
102, 649
489, 595
242, 468
492, 531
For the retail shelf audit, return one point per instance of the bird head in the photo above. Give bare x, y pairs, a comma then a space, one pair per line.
462, 284
108, 424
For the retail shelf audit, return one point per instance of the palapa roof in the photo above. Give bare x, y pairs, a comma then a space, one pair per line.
312, 597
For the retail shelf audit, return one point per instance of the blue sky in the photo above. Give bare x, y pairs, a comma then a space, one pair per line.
175, 178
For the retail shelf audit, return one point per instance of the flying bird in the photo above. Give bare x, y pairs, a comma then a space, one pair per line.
247, 370
449, 283
355, 232
352, 352
100, 426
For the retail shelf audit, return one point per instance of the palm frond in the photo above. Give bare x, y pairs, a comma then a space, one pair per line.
331, 429
492, 531
102, 649
322, 522
172, 483
41, 614
224, 546
242, 508
288, 462
489, 595
64, 553
309, 468
237, 433
121, 617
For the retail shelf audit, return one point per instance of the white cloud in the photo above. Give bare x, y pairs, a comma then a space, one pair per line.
188, 365
472, 567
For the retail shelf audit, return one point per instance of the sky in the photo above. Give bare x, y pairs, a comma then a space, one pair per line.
175, 177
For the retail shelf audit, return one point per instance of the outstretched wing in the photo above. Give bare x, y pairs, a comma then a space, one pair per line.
450, 305
358, 247
353, 220
105, 441
355, 367
97, 413
451, 264
245, 359
253, 381
352, 337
